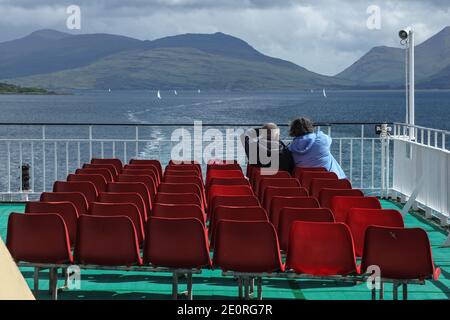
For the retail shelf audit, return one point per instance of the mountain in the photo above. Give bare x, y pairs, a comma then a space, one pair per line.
386, 65
57, 60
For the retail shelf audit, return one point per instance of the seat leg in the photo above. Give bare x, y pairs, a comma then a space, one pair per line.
54, 283
239, 279
36, 282
174, 286
259, 287
374, 293
395, 291
381, 290
246, 288
189, 286
405, 291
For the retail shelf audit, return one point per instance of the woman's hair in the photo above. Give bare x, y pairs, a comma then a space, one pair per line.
300, 127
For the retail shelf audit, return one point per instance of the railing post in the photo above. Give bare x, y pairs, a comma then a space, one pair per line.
362, 157
90, 143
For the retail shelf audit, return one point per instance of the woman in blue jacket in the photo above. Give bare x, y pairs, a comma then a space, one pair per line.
311, 149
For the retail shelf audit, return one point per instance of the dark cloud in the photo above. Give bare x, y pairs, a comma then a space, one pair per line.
324, 36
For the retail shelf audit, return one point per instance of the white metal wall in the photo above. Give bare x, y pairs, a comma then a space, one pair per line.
414, 162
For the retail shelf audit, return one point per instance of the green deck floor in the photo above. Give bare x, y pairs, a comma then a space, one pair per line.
211, 285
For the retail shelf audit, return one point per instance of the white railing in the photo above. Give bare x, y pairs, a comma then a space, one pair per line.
422, 168
54, 150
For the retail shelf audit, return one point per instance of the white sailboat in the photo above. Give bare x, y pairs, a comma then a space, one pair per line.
159, 95
109, 90
324, 93
175, 92
198, 91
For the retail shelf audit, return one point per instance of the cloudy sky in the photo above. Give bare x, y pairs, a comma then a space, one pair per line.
323, 36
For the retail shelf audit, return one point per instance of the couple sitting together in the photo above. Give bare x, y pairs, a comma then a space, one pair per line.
308, 148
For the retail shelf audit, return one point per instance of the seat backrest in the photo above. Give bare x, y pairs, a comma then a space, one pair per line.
109, 241
66, 210
400, 253
183, 188
298, 171
167, 238
105, 173
275, 182
147, 180
215, 173
321, 249
133, 187
223, 166
111, 168
178, 198
184, 167
179, 211
309, 175
236, 214
117, 163
120, 209
232, 201
76, 198
218, 190
317, 184
359, 219
341, 205
247, 246
152, 162
185, 179
289, 215
87, 188
144, 172
280, 202
140, 167
326, 195
125, 197
38, 238
97, 179
180, 173
275, 175
282, 191
229, 182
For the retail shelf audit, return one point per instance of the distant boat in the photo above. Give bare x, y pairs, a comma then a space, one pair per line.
159, 95
324, 93
109, 90
198, 91
175, 92
312, 91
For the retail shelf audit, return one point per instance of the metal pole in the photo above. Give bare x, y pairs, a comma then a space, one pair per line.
411, 78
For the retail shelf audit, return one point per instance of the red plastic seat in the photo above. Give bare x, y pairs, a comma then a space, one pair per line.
120, 209
359, 219
179, 211
326, 195
184, 167
279, 202
180, 173
289, 215
308, 176
105, 173
117, 163
229, 182
401, 254
88, 189
187, 179
193, 163
97, 179
298, 171
232, 201
235, 214
144, 172
176, 243
152, 162
140, 167
247, 246
66, 210
125, 197
275, 175
282, 191
133, 187
321, 249
275, 182
218, 190
341, 205
111, 168
317, 184
38, 238
223, 166
76, 198
178, 198
108, 241
182, 188
214, 173
147, 180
